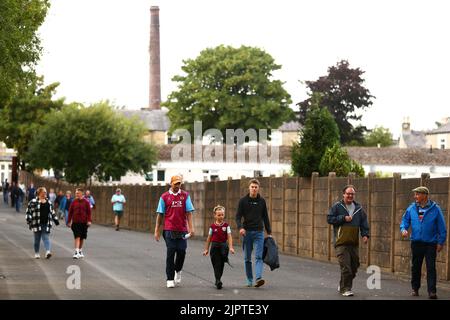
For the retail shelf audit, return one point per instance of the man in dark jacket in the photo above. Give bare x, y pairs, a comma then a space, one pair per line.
348, 219
253, 209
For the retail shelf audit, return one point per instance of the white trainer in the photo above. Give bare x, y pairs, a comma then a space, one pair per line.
48, 255
348, 294
80, 254
37, 256
170, 284
76, 255
177, 277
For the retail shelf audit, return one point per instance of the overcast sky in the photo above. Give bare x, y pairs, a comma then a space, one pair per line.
98, 49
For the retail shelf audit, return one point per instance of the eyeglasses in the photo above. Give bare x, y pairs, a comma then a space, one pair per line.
349, 194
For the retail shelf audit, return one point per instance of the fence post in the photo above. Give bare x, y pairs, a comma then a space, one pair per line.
314, 177
331, 176
297, 210
370, 177
395, 180
283, 207
447, 265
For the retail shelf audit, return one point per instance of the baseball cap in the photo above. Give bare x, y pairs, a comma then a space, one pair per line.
175, 179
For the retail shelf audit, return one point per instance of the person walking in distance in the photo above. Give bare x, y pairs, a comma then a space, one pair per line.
175, 207
40, 217
253, 209
218, 235
349, 220
428, 235
118, 201
79, 220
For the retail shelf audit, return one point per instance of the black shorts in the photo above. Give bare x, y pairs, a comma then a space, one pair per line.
79, 230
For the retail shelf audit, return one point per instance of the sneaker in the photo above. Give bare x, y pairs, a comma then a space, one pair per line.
170, 284
219, 284
178, 277
48, 255
249, 283
37, 256
432, 296
80, 254
259, 282
76, 255
117, 228
348, 293
415, 293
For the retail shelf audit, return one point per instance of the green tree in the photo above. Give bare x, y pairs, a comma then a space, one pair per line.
336, 159
378, 135
229, 88
344, 95
20, 47
95, 141
24, 116
319, 132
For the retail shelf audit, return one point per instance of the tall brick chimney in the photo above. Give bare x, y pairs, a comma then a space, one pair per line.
155, 66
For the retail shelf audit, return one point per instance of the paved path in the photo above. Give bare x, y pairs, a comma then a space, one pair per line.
129, 265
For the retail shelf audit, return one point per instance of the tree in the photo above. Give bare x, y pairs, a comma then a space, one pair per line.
95, 141
24, 115
229, 88
343, 94
20, 47
336, 159
378, 135
319, 132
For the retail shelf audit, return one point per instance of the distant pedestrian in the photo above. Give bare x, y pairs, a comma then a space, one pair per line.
428, 235
65, 204
253, 209
88, 196
18, 195
349, 220
79, 220
40, 217
118, 200
5, 188
31, 192
58, 207
176, 209
52, 196
218, 235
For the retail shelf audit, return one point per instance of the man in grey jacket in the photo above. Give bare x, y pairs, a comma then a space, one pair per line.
348, 219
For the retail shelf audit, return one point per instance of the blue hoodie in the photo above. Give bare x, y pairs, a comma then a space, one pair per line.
432, 227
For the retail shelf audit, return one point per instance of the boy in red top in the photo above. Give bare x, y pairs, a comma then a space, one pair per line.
218, 235
79, 220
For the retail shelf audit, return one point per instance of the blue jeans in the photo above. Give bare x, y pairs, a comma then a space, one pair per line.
18, 204
176, 252
45, 238
253, 239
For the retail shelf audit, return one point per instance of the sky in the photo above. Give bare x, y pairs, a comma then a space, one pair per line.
98, 49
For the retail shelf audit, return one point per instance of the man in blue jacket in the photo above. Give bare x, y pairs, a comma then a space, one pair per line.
428, 234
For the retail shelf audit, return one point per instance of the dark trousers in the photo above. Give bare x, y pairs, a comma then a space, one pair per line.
348, 257
219, 255
176, 252
419, 251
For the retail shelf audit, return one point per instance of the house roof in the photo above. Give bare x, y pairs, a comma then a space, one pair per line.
290, 126
442, 129
414, 139
154, 120
400, 156
364, 155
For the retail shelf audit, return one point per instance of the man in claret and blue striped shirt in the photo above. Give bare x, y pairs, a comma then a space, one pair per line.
176, 207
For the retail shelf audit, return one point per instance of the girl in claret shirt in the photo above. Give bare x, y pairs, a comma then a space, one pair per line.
218, 236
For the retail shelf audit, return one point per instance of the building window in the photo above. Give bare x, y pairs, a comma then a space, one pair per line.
442, 143
3, 167
257, 174
161, 175
214, 177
